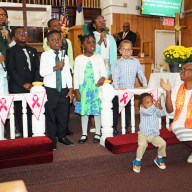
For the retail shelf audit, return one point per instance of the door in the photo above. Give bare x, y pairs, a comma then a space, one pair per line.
163, 39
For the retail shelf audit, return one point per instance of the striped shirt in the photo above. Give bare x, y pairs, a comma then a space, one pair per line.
149, 120
124, 73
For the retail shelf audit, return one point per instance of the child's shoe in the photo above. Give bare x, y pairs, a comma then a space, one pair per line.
136, 166
159, 162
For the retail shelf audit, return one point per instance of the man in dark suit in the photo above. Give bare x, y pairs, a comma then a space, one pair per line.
22, 64
126, 34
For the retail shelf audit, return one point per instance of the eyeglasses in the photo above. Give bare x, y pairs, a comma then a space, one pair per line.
3, 15
185, 69
101, 20
21, 33
126, 50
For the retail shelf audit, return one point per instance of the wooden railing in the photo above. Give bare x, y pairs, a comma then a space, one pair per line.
57, 3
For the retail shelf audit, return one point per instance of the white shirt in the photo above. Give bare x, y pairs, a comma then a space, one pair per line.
79, 68
46, 70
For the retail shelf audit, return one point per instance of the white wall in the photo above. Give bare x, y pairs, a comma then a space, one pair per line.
108, 7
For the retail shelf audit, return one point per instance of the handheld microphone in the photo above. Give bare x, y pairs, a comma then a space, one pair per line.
104, 40
4, 26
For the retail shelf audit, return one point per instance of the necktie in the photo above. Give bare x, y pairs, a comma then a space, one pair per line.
124, 34
28, 59
58, 73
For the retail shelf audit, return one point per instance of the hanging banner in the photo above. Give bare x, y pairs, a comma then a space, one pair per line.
124, 97
154, 94
36, 102
5, 105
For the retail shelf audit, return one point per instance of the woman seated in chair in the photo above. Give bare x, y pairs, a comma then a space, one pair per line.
182, 122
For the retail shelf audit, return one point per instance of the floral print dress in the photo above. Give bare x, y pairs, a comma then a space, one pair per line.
90, 103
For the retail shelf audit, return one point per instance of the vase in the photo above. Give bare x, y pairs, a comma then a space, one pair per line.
175, 67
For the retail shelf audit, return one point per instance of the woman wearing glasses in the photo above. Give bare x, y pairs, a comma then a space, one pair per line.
105, 43
179, 100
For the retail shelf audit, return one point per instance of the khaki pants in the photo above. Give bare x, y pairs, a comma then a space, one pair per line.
157, 141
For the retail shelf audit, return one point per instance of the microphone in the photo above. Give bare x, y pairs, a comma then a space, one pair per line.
104, 40
63, 52
4, 26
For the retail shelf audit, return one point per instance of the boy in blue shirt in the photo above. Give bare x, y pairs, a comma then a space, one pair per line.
124, 75
149, 131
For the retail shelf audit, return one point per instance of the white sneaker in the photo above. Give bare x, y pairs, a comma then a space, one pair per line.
189, 160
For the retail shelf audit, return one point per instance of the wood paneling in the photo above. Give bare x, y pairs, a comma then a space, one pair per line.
187, 5
186, 37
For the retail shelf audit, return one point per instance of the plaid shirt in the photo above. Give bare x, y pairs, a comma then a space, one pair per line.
124, 73
149, 120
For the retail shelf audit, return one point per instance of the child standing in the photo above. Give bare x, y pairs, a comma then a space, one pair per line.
89, 75
54, 67
149, 131
124, 75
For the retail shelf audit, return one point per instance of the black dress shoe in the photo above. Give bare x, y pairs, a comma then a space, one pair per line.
65, 141
54, 146
96, 139
115, 132
82, 141
69, 132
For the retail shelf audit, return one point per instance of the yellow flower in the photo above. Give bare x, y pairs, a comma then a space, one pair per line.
177, 54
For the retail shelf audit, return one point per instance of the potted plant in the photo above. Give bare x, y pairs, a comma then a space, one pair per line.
175, 56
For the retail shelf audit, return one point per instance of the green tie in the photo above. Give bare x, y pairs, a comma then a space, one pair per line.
58, 73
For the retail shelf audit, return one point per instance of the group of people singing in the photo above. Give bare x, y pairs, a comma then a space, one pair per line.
97, 63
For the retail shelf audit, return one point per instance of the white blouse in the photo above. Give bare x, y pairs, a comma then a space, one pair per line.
79, 68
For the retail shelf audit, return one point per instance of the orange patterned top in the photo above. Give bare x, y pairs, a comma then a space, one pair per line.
179, 106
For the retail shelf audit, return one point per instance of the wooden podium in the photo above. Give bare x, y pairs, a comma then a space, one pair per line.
73, 36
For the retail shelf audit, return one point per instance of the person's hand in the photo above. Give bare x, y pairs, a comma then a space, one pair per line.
70, 95
60, 65
2, 58
158, 105
5, 34
77, 95
164, 85
100, 82
142, 87
102, 37
27, 86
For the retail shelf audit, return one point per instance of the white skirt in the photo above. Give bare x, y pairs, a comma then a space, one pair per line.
183, 134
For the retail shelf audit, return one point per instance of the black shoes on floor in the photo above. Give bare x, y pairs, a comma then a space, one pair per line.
65, 142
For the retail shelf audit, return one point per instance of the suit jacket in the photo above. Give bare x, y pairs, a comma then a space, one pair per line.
17, 68
131, 36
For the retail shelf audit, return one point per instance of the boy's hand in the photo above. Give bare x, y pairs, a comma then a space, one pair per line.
70, 95
27, 86
61, 64
142, 87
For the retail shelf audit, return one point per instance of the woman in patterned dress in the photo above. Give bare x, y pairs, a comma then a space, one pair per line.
89, 75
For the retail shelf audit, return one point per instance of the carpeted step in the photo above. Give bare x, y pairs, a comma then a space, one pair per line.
128, 142
25, 151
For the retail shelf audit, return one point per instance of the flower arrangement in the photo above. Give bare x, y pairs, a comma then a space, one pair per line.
176, 54
190, 56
